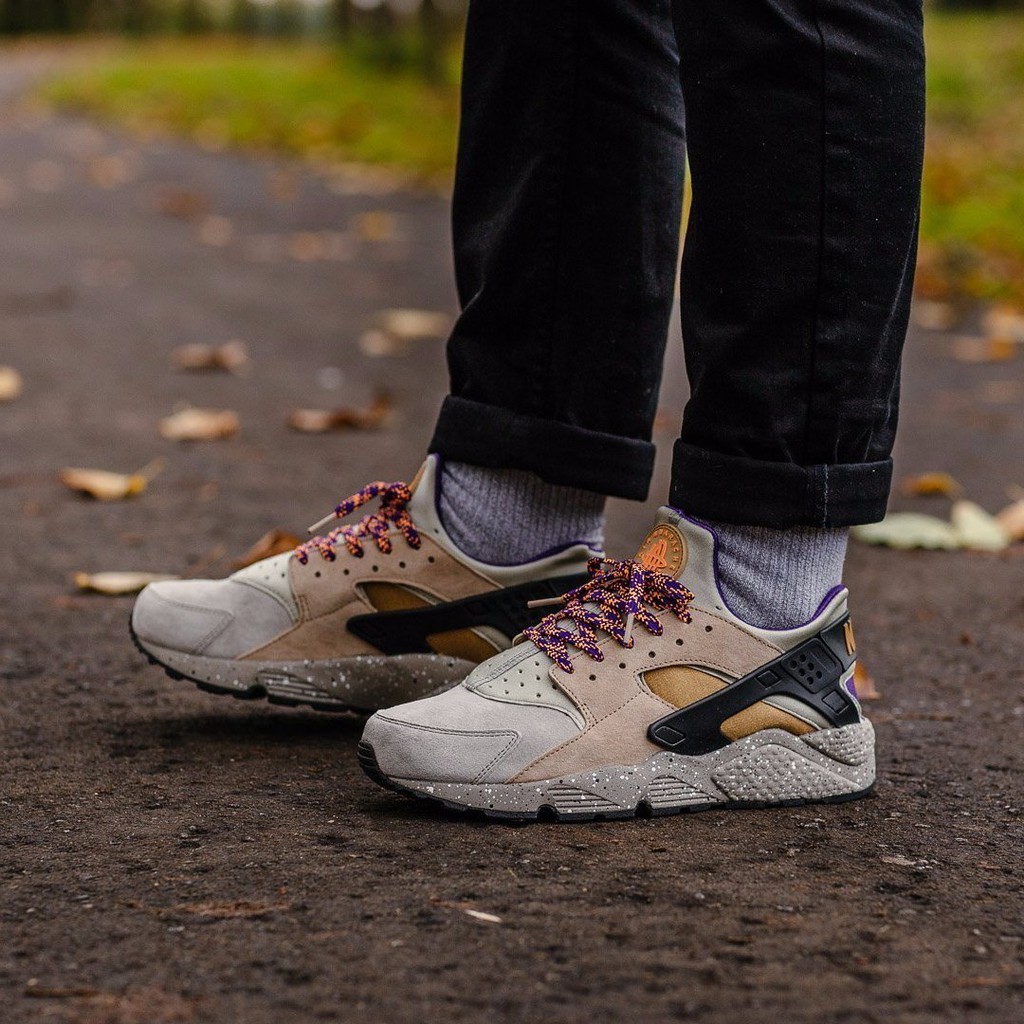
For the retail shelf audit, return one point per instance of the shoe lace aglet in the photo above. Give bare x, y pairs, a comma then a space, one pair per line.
544, 602
318, 526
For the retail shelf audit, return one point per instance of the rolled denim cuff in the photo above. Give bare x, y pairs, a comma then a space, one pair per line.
486, 435
752, 492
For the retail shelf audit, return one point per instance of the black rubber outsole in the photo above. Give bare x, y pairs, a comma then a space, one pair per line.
254, 692
547, 813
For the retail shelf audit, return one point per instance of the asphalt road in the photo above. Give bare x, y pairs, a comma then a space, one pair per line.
169, 856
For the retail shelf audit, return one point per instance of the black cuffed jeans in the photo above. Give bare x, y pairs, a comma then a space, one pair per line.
804, 130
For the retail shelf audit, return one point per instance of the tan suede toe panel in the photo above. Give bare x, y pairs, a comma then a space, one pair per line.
621, 738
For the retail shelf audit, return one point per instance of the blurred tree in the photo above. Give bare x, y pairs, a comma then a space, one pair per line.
243, 17
405, 32
287, 18
193, 17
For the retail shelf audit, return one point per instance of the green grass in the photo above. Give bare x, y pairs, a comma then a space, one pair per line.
972, 229
335, 105
308, 100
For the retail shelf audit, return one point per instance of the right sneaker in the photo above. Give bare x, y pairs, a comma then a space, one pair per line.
378, 613
642, 693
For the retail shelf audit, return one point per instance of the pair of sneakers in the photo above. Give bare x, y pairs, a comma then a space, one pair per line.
638, 692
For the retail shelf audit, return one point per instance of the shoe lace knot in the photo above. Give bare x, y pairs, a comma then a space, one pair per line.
617, 595
377, 526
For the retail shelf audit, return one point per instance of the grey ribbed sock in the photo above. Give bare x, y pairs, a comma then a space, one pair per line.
776, 579
505, 516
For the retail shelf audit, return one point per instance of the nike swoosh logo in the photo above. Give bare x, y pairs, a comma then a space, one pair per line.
405, 631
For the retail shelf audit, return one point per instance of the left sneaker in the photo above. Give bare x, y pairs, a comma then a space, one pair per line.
375, 613
643, 693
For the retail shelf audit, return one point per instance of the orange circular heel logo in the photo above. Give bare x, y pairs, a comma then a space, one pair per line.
663, 551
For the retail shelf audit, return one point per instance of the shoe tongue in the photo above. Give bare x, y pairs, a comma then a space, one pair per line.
423, 487
684, 549
422, 506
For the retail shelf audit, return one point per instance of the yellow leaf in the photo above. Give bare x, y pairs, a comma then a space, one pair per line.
983, 350
1011, 520
116, 583
10, 383
1004, 324
932, 483
231, 356
394, 331
976, 529
193, 424
106, 486
905, 530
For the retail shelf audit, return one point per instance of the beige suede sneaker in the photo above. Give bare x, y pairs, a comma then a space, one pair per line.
372, 614
643, 693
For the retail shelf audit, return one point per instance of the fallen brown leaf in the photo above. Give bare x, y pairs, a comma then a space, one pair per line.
183, 204
230, 356
1004, 323
283, 184
192, 424
864, 683
109, 171
307, 246
45, 992
969, 349
1011, 520
933, 315
106, 486
230, 909
394, 331
320, 421
273, 542
375, 225
11, 383
116, 583
931, 483
216, 231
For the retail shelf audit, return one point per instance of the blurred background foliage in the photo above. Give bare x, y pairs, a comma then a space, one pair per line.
376, 81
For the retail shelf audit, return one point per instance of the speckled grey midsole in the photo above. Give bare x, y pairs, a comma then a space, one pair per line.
769, 767
364, 682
